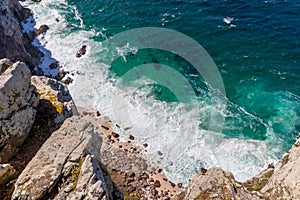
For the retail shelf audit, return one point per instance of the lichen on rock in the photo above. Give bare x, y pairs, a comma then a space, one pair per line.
58, 94
18, 102
49, 174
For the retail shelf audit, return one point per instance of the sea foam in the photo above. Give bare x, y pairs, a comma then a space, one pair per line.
171, 128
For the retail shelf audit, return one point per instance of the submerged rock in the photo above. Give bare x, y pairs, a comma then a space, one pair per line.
81, 51
18, 102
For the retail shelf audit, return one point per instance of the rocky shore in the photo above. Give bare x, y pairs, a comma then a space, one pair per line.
51, 149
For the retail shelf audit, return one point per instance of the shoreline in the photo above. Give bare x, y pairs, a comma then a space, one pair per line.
124, 161
85, 85
111, 138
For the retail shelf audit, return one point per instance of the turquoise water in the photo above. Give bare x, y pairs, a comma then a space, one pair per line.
257, 55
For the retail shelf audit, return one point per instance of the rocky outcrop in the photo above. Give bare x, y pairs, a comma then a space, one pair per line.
67, 167
15, 44
57, 94
273, 183
18, 102
217, 184
285, 181
257, 182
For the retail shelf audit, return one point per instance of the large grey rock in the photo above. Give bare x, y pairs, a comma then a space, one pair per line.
217, 184
64, 167
285, 181
13, 43
18, 102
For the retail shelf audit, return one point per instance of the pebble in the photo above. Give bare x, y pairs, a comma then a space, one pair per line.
105, 127
68, 81
98, 113
115, 135
127, 128
172, 184
131, 137
157, 183
145, 176
131, 174
203, 171
271, 166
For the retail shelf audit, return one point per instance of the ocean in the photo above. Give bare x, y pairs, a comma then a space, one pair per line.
160, 97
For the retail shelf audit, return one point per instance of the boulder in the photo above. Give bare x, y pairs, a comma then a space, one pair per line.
58, 94
217, 184
81, 51
18, 102
43, 28
67, 167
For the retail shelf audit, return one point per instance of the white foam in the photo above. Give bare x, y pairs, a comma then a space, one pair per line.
172, 128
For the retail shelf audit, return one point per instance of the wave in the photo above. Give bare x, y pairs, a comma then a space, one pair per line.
171, 128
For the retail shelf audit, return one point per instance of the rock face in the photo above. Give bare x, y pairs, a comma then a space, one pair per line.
13, 43
58, 94
217, 184
279, 182
18, 102
285, 181
67, 167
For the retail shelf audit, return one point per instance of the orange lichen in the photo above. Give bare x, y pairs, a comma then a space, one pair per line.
47, 95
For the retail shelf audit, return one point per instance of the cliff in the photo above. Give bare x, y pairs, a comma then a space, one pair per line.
50, 150
14, 44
